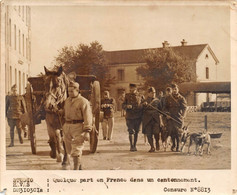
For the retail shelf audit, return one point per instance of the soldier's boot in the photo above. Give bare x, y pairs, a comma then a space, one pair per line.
19, 135
157, 141
135, 141
12, 138
177, 147
52, 145
173, 143
65, 156
150, 141
77, 163
131, 142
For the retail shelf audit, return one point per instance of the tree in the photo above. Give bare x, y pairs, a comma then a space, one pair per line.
84, 60
163, 67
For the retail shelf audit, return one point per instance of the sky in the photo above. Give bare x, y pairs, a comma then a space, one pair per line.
129, 27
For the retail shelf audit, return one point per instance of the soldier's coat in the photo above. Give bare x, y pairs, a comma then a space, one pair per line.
108, 111
176, 105
150, 113
15, 106
134, 99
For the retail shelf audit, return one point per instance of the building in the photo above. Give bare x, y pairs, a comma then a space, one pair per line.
123, 65
16, 45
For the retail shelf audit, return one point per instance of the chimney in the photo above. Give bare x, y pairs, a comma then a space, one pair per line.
183, 42
165, 44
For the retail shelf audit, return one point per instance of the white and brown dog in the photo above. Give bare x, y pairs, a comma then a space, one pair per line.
200, 139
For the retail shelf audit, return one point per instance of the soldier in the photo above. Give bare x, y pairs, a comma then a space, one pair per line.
151, 119
108, 107
176, 105
160, 95
15, 107
165, 134
78, 123
132, 105
121, 100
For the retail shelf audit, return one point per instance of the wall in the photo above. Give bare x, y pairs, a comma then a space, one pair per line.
204, 62
130, 76
18, 53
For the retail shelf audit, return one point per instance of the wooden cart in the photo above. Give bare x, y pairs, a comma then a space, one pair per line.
89, 88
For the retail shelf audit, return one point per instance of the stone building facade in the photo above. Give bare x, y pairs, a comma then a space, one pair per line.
123, 65
16, 45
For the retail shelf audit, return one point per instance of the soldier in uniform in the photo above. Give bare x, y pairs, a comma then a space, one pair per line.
151, 119
133, 106
108, 107
176, 105
121, 100
15, 107
78, 123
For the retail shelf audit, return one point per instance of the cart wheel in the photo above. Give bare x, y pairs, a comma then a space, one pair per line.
32, 139
93, 140
95, 101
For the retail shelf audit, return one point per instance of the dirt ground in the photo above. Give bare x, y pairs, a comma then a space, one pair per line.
115, 154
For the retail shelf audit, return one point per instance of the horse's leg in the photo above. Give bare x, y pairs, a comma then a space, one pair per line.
52, 140
59, 147
65, 156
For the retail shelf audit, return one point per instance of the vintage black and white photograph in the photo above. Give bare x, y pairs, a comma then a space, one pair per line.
134, 87
116, 86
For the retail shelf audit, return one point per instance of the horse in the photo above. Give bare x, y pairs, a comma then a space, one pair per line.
56, 83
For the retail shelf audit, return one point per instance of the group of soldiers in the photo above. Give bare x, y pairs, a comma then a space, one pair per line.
156, 114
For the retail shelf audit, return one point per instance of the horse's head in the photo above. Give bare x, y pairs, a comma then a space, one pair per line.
55, 88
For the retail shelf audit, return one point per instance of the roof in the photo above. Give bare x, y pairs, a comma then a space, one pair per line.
206, 87
191, 52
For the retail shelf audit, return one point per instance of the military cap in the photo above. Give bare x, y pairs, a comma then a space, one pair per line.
74, 84
132, 85
168, 89
151, 89
174, 85
13, 87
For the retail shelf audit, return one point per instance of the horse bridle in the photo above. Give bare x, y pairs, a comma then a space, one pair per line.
57, 99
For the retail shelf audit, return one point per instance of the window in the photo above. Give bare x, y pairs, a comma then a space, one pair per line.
19, 37
10, 32
29, 17
19, 82
207, 73
10, 75
5, 28
26, 48
15, 36
29, 50
15, 76
19, 10
23, 45
24, 81
23, 13
120, 75
138, 77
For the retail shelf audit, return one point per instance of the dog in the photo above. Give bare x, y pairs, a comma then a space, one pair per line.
206, 139
200, 139
165, 138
